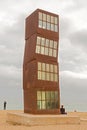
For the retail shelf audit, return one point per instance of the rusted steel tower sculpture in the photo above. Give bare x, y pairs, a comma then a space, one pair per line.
40, 67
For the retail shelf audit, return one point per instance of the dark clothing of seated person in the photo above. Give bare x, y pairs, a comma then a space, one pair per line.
62, 110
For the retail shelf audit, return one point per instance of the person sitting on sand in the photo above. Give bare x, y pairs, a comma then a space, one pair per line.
62, 110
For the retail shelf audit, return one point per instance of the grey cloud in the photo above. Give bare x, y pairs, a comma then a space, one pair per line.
12, 43
79, 38
65, 26
73, 91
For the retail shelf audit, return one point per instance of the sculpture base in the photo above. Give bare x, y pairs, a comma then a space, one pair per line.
32, 120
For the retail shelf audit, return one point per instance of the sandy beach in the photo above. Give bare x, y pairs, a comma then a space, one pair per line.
6, 126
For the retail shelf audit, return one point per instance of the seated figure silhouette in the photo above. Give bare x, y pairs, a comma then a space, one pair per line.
62, 110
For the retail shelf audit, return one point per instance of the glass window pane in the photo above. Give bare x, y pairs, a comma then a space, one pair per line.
40, 15
53, 105
37, 49
52, 27
38, 40
39, 105
46, 51
51, 43
39, 74
48, 18
55, 44
48, 26
56, 20
43, 104
38, 95
54, 53
55, 68
51, 68
42, 50
55, 78
56, 28
47, 76
56, 95
47, 67
42, 41
47, 95
52, 95
44, 17
50, 52
40, 23
52, 19
43, 95
43, 66
48, 104
43, 75
44, 24
39, 65
47, 43
51, 76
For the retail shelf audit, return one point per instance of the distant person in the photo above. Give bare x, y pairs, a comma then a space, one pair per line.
5, 103
62, 110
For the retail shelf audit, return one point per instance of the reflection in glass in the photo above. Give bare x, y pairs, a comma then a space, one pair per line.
52, 95
48, 104
47, 100
53, 105
39, 105
47, 95
43, 104
40, 15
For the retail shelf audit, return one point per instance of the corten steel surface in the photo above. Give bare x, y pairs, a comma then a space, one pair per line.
31, 84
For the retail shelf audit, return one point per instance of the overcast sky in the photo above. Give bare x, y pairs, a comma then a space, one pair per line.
72, 50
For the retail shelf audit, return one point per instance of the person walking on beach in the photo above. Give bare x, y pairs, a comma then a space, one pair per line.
5, 105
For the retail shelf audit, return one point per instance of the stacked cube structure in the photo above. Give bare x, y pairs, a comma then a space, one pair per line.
40, 66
